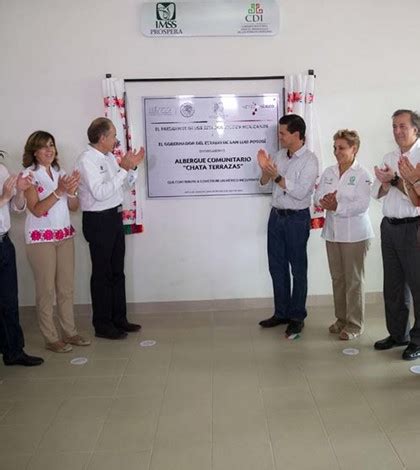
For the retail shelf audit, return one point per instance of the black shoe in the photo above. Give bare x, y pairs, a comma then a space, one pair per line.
128, 327
294, 327
111, 334
411, 352
24, 360
273, 321
388, 343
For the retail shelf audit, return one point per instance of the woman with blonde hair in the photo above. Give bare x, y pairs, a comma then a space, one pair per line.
49, 240
344, 193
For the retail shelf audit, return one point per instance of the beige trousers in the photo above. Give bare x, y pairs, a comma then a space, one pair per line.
53, 267
347, 268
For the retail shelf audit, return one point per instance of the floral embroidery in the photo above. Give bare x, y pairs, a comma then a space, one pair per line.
45, 214
40, 189
51, 235
35, 235
59, 234
48, 235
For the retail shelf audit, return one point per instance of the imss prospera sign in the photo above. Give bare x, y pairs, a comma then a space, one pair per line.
236, 18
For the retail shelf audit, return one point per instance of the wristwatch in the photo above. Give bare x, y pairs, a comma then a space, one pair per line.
277, 179
395, 180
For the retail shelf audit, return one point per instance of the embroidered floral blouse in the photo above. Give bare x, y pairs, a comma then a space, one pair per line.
54, 225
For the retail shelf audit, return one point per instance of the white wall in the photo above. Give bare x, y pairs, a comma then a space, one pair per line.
54, 54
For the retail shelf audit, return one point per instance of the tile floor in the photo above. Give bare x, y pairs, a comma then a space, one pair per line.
216, 392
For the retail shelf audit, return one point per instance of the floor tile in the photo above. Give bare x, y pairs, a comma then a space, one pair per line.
119, 460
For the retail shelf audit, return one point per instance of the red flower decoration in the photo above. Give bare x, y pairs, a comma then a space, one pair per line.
72, 230
59, 234
48, 235
40, 189
297, 97
66, 231
35, 235
45, 214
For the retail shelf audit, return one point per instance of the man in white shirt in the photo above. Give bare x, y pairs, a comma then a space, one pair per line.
101, 188
293, 172
11, 335
400, 242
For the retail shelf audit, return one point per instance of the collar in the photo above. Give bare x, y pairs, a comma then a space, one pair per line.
298, 153
415, 146
97, 152
354, 166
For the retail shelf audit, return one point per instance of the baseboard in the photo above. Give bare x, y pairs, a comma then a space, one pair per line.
214, 305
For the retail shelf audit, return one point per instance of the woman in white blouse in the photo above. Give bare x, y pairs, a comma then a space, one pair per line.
49, 240
344, 192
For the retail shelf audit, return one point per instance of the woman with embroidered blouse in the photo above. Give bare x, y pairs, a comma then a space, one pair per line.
344, 193
49, 240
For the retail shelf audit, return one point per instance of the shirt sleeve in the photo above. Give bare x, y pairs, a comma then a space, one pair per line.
131, 179
360, 203
303, 183
15, 208
100, 190
320, 190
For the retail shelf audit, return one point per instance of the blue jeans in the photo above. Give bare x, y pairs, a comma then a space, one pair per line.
11, 336
288, 235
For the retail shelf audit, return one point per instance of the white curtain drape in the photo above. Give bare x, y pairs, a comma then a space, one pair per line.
113, 92
300, 99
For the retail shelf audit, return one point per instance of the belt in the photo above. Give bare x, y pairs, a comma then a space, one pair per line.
3, 236
106, 211
406, 220
286, 212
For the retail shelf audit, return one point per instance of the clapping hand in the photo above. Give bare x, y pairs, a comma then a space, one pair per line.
266, 163
72, 182
132, 159
408, 171
384, 174
329, 201
24, 182
9, 187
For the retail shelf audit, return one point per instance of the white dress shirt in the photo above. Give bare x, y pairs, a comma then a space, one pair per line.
102, 180
5, 210
350, 222
300, 172
395, 203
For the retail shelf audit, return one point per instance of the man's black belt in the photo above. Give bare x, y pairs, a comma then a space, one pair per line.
3, 237
106, 211
286, 212
406, 220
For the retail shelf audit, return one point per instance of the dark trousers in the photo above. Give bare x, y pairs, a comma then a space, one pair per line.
401, 260
11, 336
288, 233
104, 232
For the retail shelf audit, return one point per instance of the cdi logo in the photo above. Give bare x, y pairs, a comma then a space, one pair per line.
166, 15
255, 13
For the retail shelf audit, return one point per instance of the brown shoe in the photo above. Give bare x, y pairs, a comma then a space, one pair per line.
77, 340
335, 328
59, 347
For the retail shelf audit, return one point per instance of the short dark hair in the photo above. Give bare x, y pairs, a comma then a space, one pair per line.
414, 118
294, 124
98, 127
36, 141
